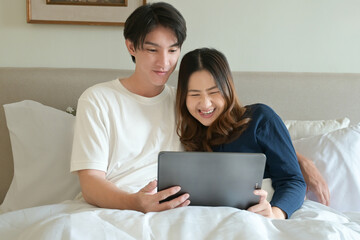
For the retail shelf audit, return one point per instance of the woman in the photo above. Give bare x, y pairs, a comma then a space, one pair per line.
210, 118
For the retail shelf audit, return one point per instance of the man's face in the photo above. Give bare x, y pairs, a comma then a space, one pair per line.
158, 57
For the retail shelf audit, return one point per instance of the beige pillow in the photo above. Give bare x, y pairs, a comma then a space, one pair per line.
303, 129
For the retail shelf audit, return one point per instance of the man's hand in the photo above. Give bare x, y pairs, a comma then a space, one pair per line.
147, 199
314, 181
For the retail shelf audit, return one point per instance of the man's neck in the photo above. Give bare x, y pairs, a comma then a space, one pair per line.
139, 88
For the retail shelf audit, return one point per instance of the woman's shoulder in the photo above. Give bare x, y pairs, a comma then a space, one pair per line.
263, 118
260, 109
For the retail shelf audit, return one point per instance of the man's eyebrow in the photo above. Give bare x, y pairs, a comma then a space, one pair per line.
157, 45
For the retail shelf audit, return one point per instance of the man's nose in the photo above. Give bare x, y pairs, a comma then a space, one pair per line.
163, 60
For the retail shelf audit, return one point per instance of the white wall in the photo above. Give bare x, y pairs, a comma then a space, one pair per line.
256, 35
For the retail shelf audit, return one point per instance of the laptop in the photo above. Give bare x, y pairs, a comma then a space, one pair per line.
213, 178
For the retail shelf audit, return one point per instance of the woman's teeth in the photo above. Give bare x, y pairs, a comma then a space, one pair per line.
208, 112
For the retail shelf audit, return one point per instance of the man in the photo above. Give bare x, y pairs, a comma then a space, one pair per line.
122, 125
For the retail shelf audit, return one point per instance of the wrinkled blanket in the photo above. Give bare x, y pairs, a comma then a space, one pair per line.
78, 220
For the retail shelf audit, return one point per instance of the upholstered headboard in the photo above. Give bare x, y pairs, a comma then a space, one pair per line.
299, 96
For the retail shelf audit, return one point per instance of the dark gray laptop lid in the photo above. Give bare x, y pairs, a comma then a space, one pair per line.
213, 178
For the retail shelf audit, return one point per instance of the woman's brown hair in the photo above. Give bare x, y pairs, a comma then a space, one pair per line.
230, 124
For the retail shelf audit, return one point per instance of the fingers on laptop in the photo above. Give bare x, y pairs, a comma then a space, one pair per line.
180, 201
262, 193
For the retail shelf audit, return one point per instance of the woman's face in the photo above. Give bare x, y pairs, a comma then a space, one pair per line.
204, 100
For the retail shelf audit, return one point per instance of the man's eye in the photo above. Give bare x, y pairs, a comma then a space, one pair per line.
152, 50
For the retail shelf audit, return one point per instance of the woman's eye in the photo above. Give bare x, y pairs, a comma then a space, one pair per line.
152, 50
215, 92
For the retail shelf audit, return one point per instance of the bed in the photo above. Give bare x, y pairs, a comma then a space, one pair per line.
321, 111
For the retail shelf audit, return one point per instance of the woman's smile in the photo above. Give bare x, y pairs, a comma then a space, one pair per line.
204, 100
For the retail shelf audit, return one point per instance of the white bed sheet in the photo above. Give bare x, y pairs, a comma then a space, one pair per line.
78, 220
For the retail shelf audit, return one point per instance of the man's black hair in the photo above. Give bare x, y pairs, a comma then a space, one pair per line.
147, 17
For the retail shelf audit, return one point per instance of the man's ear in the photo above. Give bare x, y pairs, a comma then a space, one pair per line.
130, 46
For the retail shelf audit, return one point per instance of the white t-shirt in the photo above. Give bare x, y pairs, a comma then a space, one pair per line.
121, 133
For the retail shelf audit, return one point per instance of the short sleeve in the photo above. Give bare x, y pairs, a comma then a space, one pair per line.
91, 138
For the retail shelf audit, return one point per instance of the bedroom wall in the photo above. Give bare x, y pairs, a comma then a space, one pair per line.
258, 35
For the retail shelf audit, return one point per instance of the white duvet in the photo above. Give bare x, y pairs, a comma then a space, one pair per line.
78, 220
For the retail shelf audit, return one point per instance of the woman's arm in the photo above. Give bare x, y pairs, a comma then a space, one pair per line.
314, 181
282, 165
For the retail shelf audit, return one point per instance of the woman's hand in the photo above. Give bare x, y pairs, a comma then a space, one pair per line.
264, 208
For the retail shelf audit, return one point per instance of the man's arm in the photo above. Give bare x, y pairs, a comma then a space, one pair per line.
100, 192
314, 181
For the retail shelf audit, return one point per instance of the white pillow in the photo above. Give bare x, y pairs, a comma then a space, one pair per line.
303, 129
337, 156
41, 140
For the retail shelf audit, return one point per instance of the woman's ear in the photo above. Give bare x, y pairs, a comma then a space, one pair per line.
130, 46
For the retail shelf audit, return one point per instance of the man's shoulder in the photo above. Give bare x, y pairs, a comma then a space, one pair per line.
99, 89
103, 86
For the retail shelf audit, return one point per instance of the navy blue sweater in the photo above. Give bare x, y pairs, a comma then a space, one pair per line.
266, 133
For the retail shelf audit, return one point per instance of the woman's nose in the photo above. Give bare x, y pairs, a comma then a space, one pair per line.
205, 101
